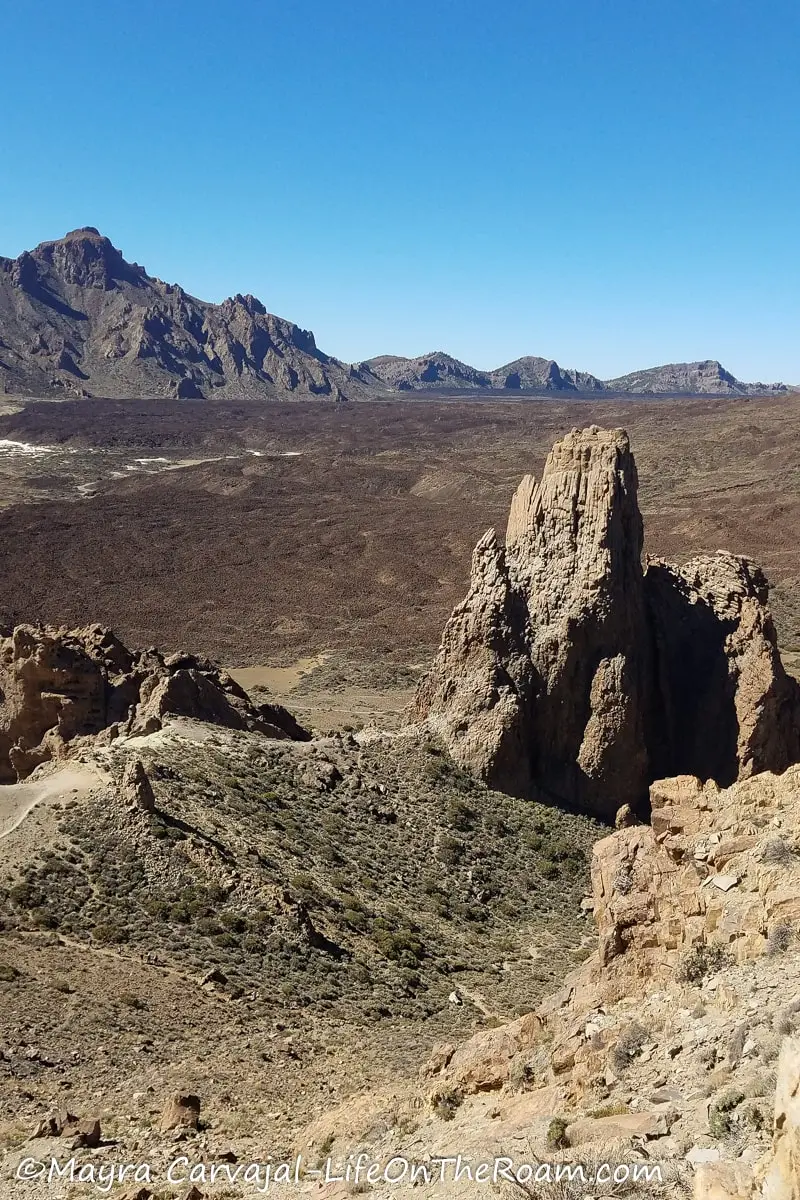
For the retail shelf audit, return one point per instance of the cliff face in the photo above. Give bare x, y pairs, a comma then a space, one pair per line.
570, 672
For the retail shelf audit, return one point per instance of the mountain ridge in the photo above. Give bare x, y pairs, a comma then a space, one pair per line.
76, 317
533, 373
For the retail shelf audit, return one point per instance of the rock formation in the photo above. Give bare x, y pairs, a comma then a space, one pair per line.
135, 786
59, 685
727, 708
569, 672
664, 1032
713, 867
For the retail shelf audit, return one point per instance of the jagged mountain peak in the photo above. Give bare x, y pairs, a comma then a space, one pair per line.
86, 258
74, 309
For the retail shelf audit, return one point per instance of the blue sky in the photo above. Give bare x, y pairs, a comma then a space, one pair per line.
613, 183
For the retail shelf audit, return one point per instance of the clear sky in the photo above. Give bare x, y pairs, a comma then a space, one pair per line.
612, 183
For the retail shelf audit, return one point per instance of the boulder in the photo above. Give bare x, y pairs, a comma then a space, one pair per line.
55, 1124
85, 1134
482, 1063
180, 1112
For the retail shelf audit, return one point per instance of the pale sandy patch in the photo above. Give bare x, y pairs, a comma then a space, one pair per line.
17, 800
278, 680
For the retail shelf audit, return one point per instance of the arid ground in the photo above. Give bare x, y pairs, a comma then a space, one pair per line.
263, 534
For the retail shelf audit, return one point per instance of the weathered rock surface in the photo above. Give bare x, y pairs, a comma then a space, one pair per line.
715, 867
569, 672
59, 685
136, 788
180, 1112
727, 709
669, 1032
85, 1133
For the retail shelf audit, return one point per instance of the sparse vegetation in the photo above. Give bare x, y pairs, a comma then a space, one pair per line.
557, 1134
446, 1103
778, 853
164, 883
722, 1113
781, 938
628, 1046
701, 961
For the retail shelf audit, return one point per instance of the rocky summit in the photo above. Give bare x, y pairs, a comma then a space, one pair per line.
76, 316
571, 673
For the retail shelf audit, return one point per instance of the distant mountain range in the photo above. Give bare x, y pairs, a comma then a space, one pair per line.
437, 371
77, 318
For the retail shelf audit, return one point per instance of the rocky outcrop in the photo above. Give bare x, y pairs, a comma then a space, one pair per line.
478, 695
180, 1112
714, 868
135, 787
726, 707
57, 686
665, 1031
569, 672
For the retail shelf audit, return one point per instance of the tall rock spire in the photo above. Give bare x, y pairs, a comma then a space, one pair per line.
565, 674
